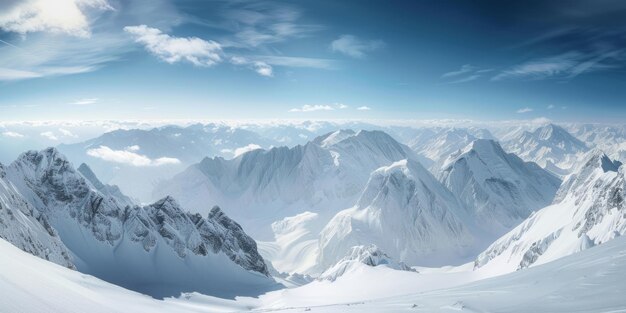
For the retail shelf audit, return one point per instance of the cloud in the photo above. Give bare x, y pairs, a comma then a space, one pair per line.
354, 47
312, 108
564, 66
550, 107
364, 108
49, 135
298, 62
260, 67
524, 110
467, 68
466, 73
341, 106
85, 101
248, 148
12, 74
67, 133
133, 148
11, 134
60, 16
170, 49
129, 157
259, 24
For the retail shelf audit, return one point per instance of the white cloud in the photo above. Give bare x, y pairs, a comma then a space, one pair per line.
133, 148
170, 49
341, 106
248, 148
550, 107
364, 108
129, 157
12, 74
58, 16
11, 134
524, 110
49, 135
312, 108
67, 133
263, 69
565, 66
352, 46
85, 101
465, 69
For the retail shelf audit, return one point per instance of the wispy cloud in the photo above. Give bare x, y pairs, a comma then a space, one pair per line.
465, 69
85, 101
49, 135
67, 133
564, 66
354, 47
171, 49
313, 108
68, 17
363, 108
248, 148
466, 73
129, 157
550, 107
260, 67
258, 24
524, 110
12, 134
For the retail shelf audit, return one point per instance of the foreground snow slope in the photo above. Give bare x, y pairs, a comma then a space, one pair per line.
589, 281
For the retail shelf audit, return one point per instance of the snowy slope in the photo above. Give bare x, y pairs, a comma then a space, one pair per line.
587, 211
359, 256
158, 249
407, 213
591, 281
24, 227
550, 146
498, 188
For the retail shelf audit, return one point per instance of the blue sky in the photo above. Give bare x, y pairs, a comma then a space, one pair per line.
158, 59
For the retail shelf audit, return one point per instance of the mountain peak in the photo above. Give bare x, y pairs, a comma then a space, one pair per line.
596, 158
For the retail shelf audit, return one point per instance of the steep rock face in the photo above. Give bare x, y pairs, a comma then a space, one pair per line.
26, 228
550, 146
589, 209
498, 188
106, 190
406, 212
129, 245
369, 255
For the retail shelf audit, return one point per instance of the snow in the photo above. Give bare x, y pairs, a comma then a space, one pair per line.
588, 210
499, 189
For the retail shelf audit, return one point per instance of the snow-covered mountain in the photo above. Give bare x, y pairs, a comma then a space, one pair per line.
358, 256
588, 210
23, 226
263, 186
111, 191
157, 249
498, 188
137, 159
438, 144
407, 213
550, 146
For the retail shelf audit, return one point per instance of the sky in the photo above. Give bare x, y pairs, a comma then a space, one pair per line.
185, 59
